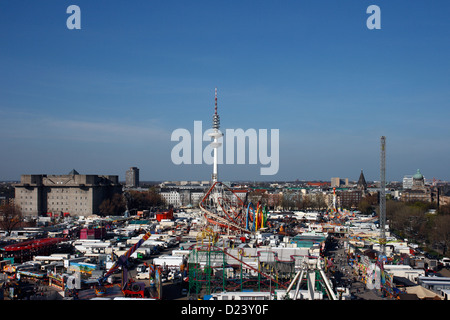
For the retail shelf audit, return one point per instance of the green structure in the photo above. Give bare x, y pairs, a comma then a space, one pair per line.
212, 269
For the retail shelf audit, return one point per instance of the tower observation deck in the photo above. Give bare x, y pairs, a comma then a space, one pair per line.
216, 135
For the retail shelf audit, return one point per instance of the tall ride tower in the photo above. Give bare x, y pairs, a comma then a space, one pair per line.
216, 135
383, 196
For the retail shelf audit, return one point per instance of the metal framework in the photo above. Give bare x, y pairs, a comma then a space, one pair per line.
226, 213
224, 210
312, 274
383, 196
212, 269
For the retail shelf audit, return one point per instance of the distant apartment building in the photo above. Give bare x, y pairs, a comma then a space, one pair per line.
183, 195
241, 193
5, 201
196, 197
73, 193
338, 182
172, 197
185, 183
132, 177
350, 198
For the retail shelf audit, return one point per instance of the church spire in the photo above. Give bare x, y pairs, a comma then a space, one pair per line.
362, 184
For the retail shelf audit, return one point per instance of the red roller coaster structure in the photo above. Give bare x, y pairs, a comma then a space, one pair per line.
24, 250
226, 213
32, 244
224, 210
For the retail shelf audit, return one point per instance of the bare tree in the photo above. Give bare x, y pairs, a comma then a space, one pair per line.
409, 220
114, 206
255, 196
441, 234
287, 200
144, 200
11, 217
320, 201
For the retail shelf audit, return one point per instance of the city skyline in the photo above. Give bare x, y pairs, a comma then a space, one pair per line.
108, 96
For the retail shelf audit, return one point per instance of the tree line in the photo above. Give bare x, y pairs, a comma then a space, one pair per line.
415, 222
131, 200
289, 200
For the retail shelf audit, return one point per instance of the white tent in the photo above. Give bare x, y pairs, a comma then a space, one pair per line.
423, 293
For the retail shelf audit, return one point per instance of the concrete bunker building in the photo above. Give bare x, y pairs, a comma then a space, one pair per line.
73, 193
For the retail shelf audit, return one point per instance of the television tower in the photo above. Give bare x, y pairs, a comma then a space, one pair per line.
383, 196
216, 135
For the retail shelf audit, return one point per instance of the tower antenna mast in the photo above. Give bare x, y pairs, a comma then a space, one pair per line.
216, 135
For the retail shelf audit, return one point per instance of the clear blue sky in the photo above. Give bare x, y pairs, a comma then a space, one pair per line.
108, 96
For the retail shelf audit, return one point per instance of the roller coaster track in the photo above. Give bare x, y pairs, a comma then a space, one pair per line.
221, 221
218, 209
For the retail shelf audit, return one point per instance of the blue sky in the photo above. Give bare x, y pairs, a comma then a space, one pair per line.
108, 96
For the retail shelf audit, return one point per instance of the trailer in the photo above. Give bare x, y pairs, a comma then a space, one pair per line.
445, 293
171, 262
141, 253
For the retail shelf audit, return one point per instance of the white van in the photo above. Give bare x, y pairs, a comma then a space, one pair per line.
445, 262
